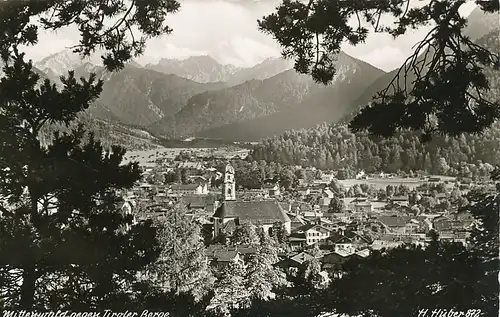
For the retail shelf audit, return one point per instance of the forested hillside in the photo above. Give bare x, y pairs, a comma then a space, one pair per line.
109, 133
335, 147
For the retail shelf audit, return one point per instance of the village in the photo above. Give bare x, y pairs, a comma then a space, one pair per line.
328, 219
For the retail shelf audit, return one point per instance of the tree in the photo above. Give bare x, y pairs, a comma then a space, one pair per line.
245, 234
262, 277
279, 234
337, 187
287, 178
413, 198
427, 202
381, 194
408, 277
171, 177
64, 197
443, 166
230, 290
309, 279
437, 98
184, 177
485, 245
92, 21
389, 189
78, 251
182, 266
336, 205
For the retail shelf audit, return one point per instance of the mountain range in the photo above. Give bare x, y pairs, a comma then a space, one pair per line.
298, 102
480, 26
200, 97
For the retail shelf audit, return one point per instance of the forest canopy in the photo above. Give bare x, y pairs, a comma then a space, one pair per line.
442, 88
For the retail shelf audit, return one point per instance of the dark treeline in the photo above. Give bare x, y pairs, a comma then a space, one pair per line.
335, 147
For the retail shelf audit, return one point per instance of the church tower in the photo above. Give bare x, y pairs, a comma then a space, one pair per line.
229, 187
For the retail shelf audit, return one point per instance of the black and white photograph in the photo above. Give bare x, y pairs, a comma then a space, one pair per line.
249, 158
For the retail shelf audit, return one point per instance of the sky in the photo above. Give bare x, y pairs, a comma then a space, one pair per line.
227, 31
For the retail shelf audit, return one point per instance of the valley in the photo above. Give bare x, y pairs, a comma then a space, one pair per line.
200, 98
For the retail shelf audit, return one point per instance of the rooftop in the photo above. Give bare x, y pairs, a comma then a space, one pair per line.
264, 211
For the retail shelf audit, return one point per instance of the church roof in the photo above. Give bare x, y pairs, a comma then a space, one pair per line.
265, 211
198, 201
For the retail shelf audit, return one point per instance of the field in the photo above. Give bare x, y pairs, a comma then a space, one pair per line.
147, 158
396, 181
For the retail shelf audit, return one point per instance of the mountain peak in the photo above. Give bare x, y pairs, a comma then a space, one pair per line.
61, 62
204, 58
202, 69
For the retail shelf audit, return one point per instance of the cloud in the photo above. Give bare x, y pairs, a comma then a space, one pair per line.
158, 50
386, 58
227, 30
243, 52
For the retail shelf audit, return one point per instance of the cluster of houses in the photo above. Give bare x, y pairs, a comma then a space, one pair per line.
313, 229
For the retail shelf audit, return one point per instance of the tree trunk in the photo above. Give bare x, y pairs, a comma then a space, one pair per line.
28, 288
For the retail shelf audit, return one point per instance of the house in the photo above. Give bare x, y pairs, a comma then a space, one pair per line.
351, 202
313, 212
386, 242
453, 223
198, 179
392, 241
363, 207
401, 224
191, 166
348, 241
313, 233
316, 188
440, 197
460, 237
223, 254
271, 190
344, 217
332, 261
188, 189
328, 224
262, 213
327, 178
294, 261
223, 257
299, 207
303, 190
360, 175
297, 241
402, 201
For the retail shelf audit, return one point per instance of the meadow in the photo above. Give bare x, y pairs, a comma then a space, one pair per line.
396, 181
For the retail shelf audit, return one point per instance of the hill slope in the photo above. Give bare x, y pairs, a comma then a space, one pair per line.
319, 104
141, 96
334, 146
